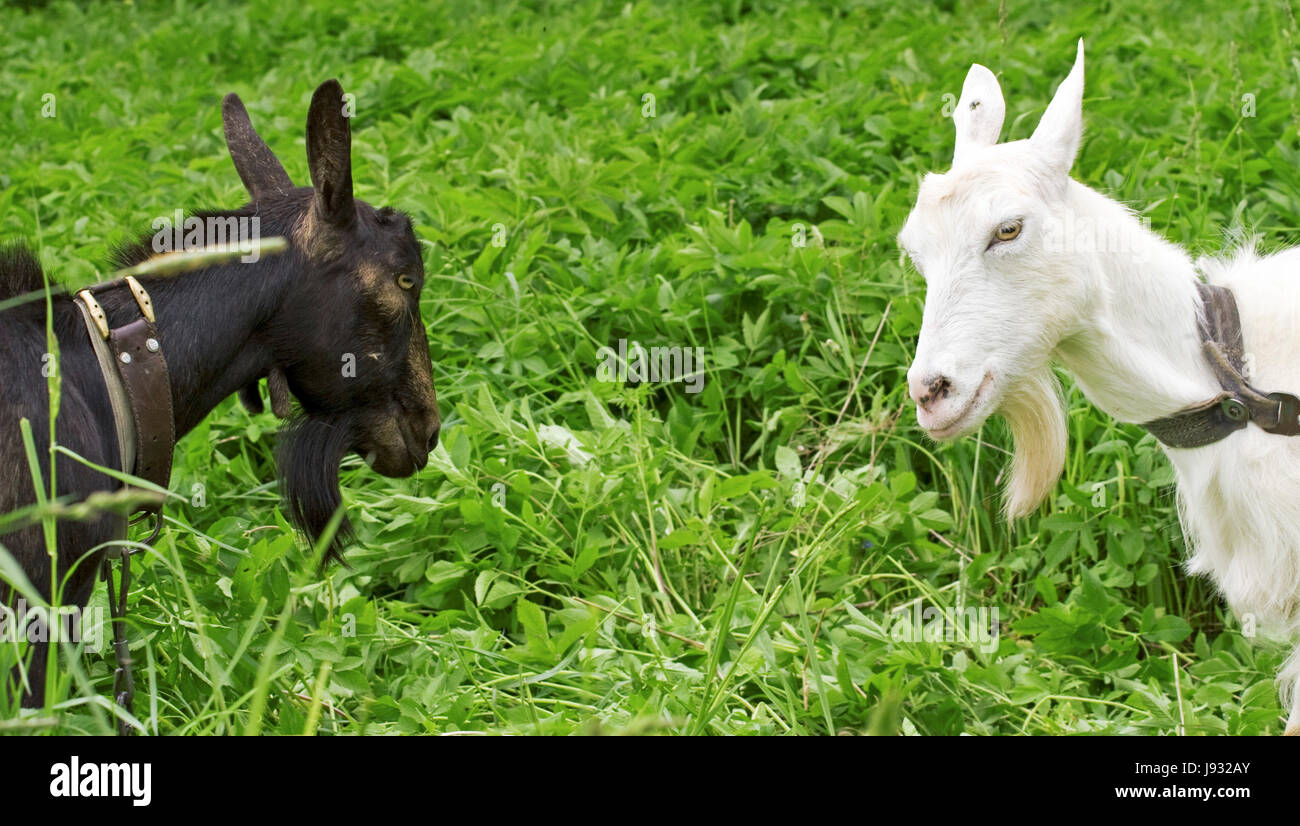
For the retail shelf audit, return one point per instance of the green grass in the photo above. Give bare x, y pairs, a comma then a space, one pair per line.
731, 561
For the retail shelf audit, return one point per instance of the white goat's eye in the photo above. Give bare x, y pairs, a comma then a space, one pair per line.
1007, 230
406, 282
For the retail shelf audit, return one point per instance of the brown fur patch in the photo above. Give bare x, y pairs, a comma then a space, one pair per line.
304, 231
381, 287
419, 365
314, 236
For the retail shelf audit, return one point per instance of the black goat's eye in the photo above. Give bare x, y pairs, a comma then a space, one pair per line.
1008, 230
406, 282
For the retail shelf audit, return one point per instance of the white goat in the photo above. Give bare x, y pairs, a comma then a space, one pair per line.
1024, 264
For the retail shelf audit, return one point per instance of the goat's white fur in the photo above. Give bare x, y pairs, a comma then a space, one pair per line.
1123, 320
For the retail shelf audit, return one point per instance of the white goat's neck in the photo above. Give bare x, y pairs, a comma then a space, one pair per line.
1137, 355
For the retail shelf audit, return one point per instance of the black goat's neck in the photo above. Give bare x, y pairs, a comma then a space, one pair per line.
215, 325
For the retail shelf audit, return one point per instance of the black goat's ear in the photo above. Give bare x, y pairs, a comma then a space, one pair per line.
259, 169
329, 154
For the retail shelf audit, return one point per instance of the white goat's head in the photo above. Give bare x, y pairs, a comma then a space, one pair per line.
1000, 295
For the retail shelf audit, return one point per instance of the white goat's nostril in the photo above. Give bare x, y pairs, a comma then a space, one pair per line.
929, 389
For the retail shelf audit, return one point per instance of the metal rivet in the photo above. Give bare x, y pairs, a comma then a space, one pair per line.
151, 344
1235, 410
126, 358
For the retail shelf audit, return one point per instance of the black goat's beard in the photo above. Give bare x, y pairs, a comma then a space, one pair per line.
310, 451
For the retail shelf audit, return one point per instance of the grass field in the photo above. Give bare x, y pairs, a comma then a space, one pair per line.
591, 556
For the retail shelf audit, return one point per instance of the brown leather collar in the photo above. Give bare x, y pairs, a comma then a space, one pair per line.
140, 393
1239, 404
135, 372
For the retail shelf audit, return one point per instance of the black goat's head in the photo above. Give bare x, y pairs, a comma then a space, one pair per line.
351, 346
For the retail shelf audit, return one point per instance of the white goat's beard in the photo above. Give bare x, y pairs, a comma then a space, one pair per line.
1035, 412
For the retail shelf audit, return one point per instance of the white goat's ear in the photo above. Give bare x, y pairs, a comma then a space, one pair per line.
1059, 132
979, 113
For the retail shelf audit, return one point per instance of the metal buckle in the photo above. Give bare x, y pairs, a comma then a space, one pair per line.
1288, 414
141, 298
96, 312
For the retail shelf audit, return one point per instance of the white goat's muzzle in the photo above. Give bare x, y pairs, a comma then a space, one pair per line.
948, 407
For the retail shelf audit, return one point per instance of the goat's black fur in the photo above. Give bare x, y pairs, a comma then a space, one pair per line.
20, 272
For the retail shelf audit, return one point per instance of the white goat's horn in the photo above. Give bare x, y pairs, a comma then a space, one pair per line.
980, 111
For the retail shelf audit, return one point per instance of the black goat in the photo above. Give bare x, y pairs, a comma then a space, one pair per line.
334, 321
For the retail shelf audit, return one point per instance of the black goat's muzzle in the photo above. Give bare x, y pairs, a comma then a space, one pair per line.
398, 443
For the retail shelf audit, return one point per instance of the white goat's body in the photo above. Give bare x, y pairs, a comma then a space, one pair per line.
1240, 498
1025, 265
1136, 356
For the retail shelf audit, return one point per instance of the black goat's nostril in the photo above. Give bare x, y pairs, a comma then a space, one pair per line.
433, 439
